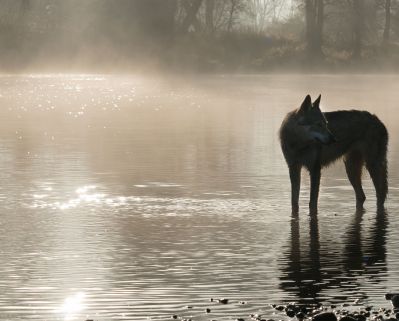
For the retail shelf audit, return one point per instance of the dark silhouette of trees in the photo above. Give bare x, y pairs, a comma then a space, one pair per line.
234, 4
387, 27
314, 17
252, 32
190, 20
209, 11
358, 27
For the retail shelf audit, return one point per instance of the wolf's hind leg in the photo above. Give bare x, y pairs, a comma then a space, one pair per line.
354, 164
378, 173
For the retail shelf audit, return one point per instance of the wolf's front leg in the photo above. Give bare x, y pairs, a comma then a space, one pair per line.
315, 173
295, 177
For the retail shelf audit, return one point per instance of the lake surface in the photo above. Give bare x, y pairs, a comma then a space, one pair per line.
131, 198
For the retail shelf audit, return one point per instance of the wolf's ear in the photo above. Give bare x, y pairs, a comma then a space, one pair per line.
307, 104
316, 103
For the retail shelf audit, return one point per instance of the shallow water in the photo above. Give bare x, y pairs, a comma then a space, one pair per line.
132, 198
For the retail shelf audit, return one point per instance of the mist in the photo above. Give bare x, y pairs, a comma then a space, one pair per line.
198, 35
151, 155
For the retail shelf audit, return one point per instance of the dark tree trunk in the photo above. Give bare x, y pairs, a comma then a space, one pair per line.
358, 25
319, 26
210, 6
191, 15
309, 17
231, 16
387, 28
314, 15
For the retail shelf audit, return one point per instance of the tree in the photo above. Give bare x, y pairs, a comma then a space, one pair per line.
261, 12
387, 28
209, 10
233, 8
314, 16
191, 8
358, 27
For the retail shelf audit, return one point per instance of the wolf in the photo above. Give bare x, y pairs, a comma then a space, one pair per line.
314, 139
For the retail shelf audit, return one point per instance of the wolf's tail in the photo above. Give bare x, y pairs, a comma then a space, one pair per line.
376, 160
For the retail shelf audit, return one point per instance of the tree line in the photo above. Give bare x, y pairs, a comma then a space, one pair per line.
253, 32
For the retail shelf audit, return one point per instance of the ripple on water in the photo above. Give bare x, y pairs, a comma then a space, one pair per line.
128, 197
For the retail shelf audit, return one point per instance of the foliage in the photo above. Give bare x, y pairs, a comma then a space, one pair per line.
208, 35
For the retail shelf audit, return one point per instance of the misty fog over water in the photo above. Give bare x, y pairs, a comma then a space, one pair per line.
198, 35
127, 197
140, 166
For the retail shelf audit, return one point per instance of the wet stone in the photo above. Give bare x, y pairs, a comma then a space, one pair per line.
360, 317
325, 316
223, 301
290, 313
389, 296
347, 318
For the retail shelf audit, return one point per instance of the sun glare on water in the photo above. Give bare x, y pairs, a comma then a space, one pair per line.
72, 306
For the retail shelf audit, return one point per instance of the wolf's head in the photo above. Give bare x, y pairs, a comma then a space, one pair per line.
312, 123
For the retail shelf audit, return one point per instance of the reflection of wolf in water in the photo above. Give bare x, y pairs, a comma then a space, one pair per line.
314, 139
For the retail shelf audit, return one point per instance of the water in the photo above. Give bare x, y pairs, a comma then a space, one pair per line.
126, 198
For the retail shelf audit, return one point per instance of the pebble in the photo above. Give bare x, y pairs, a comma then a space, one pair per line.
325, 316
290, 313
319, 312
360, 317
347, 318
